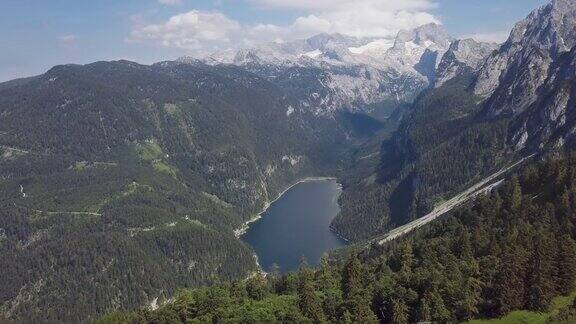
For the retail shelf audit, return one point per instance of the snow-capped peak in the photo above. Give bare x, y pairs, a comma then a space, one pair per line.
347, 72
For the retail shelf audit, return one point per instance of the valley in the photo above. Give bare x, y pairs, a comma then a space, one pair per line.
442, 165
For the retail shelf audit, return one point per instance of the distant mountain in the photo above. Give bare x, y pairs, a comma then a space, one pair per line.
420, 50
329, 73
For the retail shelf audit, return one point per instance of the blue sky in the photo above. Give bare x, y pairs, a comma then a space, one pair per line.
39, 34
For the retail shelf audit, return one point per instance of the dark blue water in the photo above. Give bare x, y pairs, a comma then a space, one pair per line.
297, 225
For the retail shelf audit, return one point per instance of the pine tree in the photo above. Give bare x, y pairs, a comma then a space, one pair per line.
364, 315
352, 278
332, 304
256, 287
509, 287
308, 300
275, 278
566, 264
540, 277
513, 195
400, 312
326, 277
357, 296
467, 304
327, 282
406, 263
439, 312
424, 311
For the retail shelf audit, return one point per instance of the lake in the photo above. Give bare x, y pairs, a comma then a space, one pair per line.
297, 225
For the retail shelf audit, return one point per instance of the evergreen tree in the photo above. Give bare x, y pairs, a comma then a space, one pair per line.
363, 314
257, 287
509, 281
352, 278
406, 263
540, 286
513, 195
424, 312
400, 312
467, 304
308, 300
326, 277
275, 278
438, 311
566, 264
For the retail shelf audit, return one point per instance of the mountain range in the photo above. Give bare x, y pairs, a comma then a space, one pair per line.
123, 182
348, 73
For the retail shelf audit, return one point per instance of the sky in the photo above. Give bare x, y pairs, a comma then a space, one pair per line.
38, 34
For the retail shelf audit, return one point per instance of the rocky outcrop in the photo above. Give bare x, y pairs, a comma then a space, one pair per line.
463, 56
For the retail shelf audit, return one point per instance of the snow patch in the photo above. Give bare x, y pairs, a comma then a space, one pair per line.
312, 54
379, 46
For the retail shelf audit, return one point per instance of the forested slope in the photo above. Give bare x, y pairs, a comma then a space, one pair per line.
442, 146
122, 182
511, 250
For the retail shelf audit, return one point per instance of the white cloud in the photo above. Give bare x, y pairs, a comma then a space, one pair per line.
494, 37
362, 18
202, 32
339, 5
170, 2
194, 30
67, 39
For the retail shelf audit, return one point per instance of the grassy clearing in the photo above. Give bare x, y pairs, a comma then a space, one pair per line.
149, 151
439, 201
152, 152
528, 317
172, 109
130, 189
164, 167
217, 200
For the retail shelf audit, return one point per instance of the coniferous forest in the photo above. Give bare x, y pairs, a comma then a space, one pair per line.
125, 188
511, 250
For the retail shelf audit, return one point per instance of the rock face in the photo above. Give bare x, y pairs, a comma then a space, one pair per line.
510, 79
531, 78
550, 122
420, 49
466, 55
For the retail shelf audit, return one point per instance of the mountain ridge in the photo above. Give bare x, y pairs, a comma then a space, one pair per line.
162, 162
356, 72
